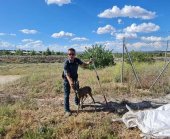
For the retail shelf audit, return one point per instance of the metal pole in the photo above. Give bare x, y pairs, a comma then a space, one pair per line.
166, 52
133, 68
123, 60
159, 75
165, 58
99, 82
97, 76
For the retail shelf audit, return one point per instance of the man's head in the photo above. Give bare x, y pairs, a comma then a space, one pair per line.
71, 53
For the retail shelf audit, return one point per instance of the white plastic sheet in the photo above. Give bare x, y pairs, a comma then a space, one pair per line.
153, 123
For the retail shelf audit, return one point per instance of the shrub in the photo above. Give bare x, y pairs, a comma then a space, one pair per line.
19, 52
101, 56
2, 131
47, 52
33, 52
139, 57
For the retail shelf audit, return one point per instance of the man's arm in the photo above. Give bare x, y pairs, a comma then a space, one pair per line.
67, 74
85, 64
70, 80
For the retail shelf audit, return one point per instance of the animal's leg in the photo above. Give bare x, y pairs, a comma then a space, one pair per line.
82, 100
78, 108
90, 94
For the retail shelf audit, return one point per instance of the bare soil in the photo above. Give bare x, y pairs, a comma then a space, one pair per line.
8, 78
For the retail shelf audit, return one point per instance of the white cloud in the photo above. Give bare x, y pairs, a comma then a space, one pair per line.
27, 40
62, 34
158, 44
57, 47
38, 45
78, 47
111, 45
82, 47
58, 2
151, 38
120, 36
28, 31
2, 34
12, 34
79, 39
155, 38
167, 38
127, 11
29, 44
144, 27
6, 45
152, 46
116, 45
137, 45
106, 29
64, 48
119, 21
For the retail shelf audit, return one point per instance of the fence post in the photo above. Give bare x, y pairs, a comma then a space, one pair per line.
122, 74
133, 68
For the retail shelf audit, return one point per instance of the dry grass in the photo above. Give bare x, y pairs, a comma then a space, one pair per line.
40, 113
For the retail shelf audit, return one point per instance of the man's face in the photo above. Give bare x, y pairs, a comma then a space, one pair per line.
71, 55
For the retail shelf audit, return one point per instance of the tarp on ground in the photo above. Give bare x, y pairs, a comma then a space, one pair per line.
153, 123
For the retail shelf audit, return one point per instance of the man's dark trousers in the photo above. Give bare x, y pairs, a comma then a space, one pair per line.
66, 96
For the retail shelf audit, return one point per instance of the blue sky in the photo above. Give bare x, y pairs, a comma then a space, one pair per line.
60, 24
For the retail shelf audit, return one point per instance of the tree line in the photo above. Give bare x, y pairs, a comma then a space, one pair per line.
20, 52
102, 56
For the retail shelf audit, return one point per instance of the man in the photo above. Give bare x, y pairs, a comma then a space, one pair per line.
70, 76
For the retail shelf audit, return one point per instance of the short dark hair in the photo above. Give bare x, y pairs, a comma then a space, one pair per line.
72, 49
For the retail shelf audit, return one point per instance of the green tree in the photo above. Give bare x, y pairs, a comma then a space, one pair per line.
52, 52
19, 52
59, 53
33, 52
48, 52
102, 57
140, 57
6, 52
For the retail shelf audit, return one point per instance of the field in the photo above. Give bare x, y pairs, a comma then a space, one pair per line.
32, 106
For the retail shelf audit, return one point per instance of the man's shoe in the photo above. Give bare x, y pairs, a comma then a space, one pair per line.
67, 114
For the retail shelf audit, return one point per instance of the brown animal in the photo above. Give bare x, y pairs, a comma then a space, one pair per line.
82, 94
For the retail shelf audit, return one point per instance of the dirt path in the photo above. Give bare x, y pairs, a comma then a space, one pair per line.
8, 78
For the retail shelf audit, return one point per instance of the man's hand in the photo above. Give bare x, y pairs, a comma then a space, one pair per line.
72, 85
85, 64
91, 61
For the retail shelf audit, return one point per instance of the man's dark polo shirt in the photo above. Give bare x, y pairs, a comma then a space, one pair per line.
71, 67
